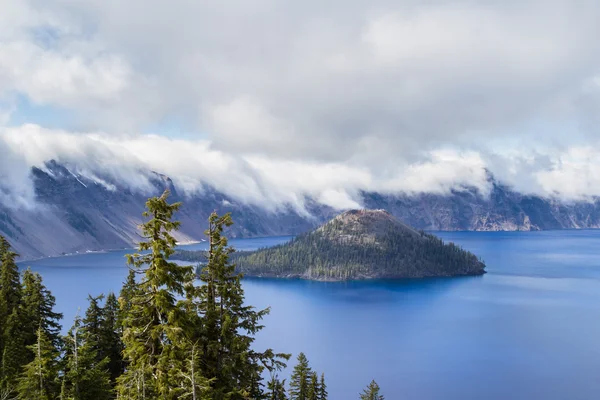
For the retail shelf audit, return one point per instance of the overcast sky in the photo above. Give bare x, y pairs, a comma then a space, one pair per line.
272, 100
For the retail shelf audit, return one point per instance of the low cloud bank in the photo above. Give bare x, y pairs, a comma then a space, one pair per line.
566, 173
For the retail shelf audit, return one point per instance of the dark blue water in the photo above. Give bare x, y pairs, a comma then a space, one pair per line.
529, 329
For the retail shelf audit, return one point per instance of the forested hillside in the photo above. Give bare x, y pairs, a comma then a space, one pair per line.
359, 244
169, 334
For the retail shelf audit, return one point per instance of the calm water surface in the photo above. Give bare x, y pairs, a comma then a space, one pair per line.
529, 329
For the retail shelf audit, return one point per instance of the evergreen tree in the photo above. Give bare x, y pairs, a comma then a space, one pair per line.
39, 380
323, 388
300, 380
85, 377
14, 355
371, 392
276, 389
93, 321
37, 310
227, 325
153, 323
194, 385
128, 292
110, 344
10, 287
12, 348
314, 388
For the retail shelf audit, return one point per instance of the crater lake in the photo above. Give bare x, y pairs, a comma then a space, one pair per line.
529, 328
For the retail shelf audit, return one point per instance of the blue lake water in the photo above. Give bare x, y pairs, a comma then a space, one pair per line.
528, 329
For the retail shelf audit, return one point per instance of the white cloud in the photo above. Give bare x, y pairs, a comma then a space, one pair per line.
274, 182
64, 80
294, 98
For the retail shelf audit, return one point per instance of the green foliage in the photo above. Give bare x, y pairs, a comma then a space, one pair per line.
38, 310
129, 291
11, 341
276, 389
24, 310
225, 326
10, 285
314, 387
15, 353
322, 388
337, 251
85, 374
371, 392
167, 336
39, 380
300, 379
110, 345
154, 322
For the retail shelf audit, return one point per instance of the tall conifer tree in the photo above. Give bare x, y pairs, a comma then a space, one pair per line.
126, 296
10, 287
38, 310
300, 380
85, 377
313, 388
14, 354
371, 392
227, 325
323, 388
110, 344
12, 349
276, 389
154, 323
39, 380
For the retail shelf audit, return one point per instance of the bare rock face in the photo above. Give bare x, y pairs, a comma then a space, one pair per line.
76, 213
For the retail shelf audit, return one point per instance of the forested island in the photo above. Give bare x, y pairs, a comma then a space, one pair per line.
173, 332
357, 244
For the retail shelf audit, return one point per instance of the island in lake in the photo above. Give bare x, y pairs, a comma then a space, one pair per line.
357, 244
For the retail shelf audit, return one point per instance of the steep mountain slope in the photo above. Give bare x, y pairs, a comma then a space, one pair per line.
503, 210
78, 212
361, 244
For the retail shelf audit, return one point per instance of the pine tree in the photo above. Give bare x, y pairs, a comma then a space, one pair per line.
276, 389
371, 392
227, 325
93, 321
323, 388
11, 348
85, 377
153, 323
194, 385
39, 380
299, 383
10, 286
37, 310
128, 292
15, 353
110, 344
313, 388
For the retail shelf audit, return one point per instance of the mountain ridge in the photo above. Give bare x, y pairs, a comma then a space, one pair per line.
78, 213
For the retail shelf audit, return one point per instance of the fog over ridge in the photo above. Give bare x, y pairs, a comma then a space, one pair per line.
272, 182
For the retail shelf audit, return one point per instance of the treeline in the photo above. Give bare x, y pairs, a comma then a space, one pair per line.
166, 336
